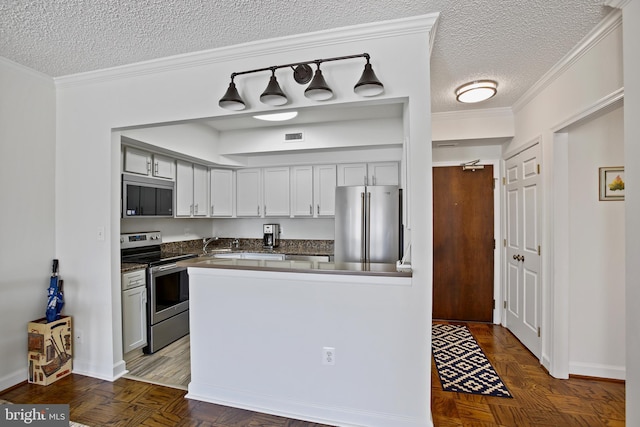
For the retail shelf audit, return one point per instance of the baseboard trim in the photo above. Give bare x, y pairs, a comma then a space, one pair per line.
12, 380
594, 370
323, 414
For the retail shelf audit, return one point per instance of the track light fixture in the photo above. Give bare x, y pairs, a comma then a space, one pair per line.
318, 89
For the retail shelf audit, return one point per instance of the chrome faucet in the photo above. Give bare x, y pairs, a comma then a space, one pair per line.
205, 243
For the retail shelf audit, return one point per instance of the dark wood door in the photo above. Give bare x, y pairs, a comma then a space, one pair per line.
463, 244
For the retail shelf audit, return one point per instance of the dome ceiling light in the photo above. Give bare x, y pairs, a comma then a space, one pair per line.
476, 91
318, 89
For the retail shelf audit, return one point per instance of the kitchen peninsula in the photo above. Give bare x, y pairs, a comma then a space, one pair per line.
303, 339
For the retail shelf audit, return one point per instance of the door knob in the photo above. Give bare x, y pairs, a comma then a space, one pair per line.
518, 257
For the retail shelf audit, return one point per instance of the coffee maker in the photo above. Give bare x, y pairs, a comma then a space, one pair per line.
271, 237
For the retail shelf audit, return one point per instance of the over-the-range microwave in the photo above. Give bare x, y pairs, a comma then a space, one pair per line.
144, 197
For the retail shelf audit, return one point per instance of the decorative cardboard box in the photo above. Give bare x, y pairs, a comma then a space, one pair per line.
49, 350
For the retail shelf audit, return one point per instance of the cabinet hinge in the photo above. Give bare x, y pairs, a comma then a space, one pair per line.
538, 168
538, 332
538, 250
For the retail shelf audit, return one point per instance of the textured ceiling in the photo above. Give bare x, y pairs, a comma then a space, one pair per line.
512, 41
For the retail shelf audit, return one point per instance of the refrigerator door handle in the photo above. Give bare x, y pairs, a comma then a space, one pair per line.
363, 227
367, 228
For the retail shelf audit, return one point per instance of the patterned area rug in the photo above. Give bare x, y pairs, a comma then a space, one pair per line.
71, 423
461, 364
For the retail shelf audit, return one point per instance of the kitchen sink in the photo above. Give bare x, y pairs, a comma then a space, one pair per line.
217, 251
250, 255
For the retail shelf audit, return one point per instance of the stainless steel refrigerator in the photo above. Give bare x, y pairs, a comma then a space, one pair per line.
368, 224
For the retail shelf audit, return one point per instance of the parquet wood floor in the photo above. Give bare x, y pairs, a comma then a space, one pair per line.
539, 400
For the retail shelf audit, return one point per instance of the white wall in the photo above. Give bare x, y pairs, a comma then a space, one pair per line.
631, 35
596, 252
87, 179
567, 93
27, 197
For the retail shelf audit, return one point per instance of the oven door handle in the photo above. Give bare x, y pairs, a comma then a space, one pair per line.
164, 267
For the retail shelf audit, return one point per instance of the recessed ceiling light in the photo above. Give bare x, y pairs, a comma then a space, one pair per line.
277, 117
479, 90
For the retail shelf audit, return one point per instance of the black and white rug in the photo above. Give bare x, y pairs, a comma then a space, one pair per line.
462, 365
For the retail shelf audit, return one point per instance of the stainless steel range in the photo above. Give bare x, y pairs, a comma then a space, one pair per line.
167, 287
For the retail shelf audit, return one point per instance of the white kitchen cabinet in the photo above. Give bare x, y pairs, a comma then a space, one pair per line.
377, 173
137, 161
352, 174
313, 191
144, 163
191, 190
324, 190
383, 173
302, 191
134, 312
276, 192
163, 167
221, 192
249, 192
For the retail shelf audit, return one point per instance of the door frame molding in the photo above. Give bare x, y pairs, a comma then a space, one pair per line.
556, 359
497, 231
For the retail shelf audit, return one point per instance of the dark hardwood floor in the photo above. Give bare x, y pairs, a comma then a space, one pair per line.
539, 400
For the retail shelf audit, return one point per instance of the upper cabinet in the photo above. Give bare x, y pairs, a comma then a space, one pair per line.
191, 190
313, 191
379, 173
249, 192
221, 192
262, 192
144, 163
276, 192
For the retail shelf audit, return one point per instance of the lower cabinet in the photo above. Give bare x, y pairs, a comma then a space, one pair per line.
134, 315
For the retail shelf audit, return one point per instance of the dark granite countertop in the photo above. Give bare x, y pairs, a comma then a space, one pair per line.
321, 267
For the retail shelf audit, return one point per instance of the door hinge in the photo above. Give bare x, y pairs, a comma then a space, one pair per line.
494, 243
538, 331
538, 168
504, 180
494, 304
494, 183
504, 304
538, 250
504, 242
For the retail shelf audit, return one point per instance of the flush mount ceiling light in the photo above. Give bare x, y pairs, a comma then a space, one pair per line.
318, 89
477, 91
277, 117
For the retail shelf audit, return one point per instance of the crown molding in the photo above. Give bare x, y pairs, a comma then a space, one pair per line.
24, 69
369, 31
619, 4
612, 21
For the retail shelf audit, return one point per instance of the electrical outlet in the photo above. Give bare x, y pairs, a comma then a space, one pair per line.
328, 356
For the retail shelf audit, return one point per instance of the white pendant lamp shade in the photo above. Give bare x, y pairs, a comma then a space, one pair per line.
477, 91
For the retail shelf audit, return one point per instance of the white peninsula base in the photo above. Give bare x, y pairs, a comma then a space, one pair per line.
257, 340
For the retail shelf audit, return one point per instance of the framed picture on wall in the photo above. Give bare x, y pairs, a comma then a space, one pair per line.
612, 183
